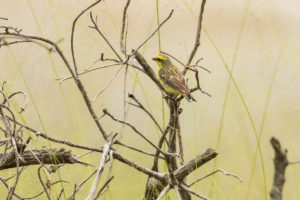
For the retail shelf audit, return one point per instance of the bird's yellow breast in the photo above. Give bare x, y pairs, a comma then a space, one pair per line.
167, 88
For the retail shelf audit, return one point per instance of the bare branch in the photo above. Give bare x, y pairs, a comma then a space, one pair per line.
87, 71
106, 185
138, 150
198, 34
195, 163
115, 154
218, 170
122, 40
164, 192
294, 162
106, 149
153, 33
136, 131
4, 181
76, 79
177, 192
34, 157
140, 105
280, 164
100, 33
73, 31
25, 97
77, 188
42, 183
60, 194
108, 84
192, 192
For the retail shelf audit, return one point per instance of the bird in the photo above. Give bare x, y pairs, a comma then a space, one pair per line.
171, 78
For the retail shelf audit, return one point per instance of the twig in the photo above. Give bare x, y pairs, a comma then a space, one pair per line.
153, 33
15, 154
100, 33
84, 154
87, 71
177, 192
198, 87
195, 163
122, 42
198, 34
136, 131
140, 105
164, 192
138, 150
294, 162
77, 188
160, 143
77, 81
108, 84
100, 150
192, 192
104, 186
3, 141
180, 144
3, 18
101, 59
4, 181
43, 135
42, 183
60, 194
106, 149
73, 31
25, 97
218, 170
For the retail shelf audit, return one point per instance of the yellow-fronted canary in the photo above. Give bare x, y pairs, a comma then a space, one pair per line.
171, 78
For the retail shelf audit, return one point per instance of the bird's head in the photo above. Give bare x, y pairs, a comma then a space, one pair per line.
162, 60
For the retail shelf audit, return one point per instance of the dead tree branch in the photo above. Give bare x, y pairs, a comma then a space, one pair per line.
280, 164
198, 34
73, 32
106, 150
46, 156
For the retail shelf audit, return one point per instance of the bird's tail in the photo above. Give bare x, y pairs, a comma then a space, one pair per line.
190, 98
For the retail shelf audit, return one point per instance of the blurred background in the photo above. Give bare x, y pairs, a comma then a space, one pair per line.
257, 40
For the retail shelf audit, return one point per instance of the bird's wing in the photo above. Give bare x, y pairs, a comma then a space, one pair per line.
176, 82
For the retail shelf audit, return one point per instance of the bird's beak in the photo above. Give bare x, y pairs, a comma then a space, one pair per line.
155, 59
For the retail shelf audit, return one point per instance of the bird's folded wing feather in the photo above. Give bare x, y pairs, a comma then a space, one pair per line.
175, 82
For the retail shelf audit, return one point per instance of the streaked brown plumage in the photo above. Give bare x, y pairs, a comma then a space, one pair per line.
172, 78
